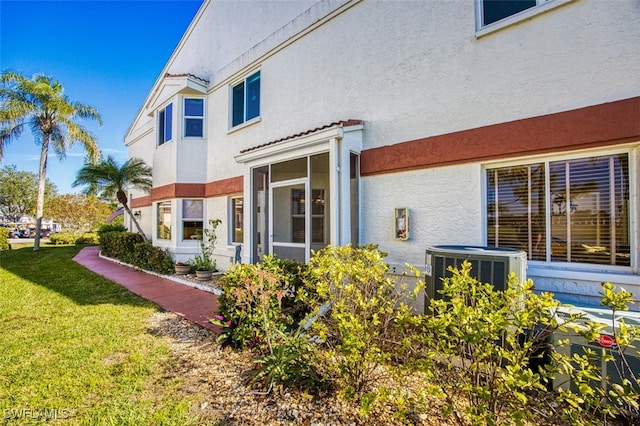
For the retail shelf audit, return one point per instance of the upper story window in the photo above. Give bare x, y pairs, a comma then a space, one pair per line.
573, 210
193, 117
165, 126
493, 15
245, 100
495, 10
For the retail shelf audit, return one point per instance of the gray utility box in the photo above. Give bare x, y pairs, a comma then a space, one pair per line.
488, 265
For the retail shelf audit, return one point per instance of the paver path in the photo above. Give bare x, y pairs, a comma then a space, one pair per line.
191, 303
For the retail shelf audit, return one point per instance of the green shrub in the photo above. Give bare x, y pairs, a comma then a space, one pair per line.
120, 245
89, 238
366, 320
486, 341
258, 301
257, 310
486, 354
289, 362
489, 346
111, 228
132, 248
4, 238
151, 258
62, 238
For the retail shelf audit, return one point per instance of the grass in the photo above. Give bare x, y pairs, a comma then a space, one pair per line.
75, 346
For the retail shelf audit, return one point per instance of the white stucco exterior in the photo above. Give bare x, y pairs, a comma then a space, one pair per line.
401, 71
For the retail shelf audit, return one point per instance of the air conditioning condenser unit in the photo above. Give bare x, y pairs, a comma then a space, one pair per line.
488, 265
611, 371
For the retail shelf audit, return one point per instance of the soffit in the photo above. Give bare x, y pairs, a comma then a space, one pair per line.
173, 84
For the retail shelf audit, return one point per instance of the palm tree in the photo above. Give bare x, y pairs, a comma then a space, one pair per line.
40, 104
112, 179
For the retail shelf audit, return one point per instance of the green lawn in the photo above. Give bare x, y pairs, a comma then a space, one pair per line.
74, 345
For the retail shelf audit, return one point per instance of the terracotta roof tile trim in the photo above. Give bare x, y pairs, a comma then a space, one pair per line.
187, 75
341, 123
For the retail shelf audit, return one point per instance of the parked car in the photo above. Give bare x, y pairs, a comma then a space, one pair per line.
26, 233
45, 233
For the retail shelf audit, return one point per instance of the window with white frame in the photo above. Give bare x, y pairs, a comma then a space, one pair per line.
163, 212
192, 219
237, 220
574, 210
245, 100
165, 125
298, 206
193, 117
491, 11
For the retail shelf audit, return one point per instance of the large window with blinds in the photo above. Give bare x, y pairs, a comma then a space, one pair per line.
573, 210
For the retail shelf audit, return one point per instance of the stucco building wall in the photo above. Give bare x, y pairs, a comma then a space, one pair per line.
426, 85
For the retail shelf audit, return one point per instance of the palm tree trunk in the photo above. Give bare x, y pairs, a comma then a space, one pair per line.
122, 197
42, 180
126, 207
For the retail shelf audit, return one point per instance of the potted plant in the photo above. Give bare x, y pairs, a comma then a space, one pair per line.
182, 268
204, 263
204, 267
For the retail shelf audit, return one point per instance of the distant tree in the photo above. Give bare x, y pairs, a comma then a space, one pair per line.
40, 104
18, 192
78, 213
111, 179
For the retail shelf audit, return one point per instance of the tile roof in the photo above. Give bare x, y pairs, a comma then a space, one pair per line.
187, 75
341, 123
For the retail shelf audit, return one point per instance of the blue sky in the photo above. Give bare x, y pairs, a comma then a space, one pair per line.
106, 54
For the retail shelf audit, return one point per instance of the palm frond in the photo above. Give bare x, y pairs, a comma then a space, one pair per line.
86, 112
40, 103
111, 178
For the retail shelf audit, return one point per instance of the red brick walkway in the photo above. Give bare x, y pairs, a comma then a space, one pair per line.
191, 303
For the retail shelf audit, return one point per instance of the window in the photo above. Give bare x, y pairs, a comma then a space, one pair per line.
245, 100
193, 117
563, 211
165, 117
164, 220
298, 204
192, 219
297, 216
237, 220
495, 10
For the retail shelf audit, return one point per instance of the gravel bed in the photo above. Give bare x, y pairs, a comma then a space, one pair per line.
216, 378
